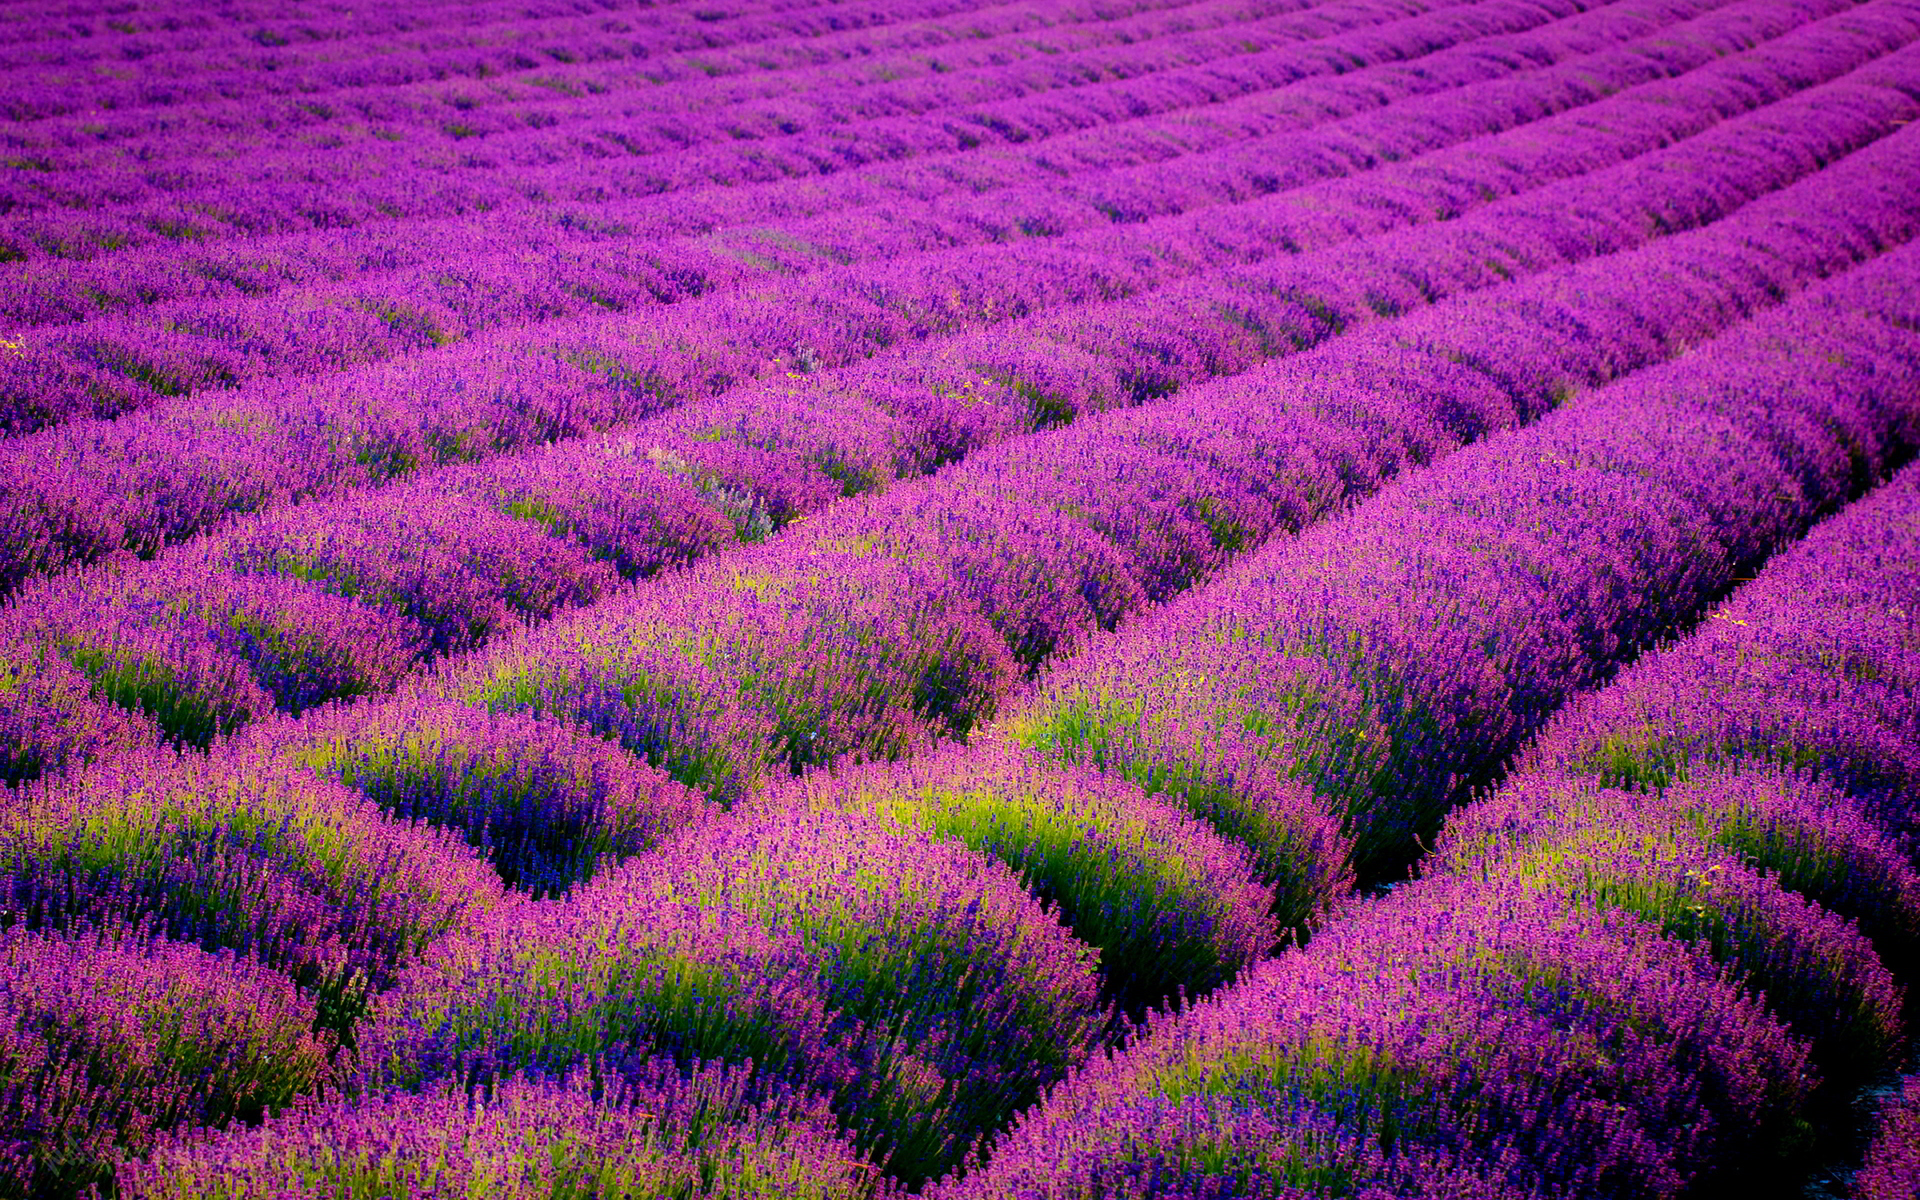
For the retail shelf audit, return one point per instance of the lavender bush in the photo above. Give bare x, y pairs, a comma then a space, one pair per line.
651, 1134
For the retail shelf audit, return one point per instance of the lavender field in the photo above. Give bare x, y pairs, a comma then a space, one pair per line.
1051, 599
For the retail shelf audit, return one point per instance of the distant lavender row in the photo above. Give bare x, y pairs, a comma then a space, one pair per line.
60, 522
187, 500
118, 363
50, 32
62, 29
650, 54
570, 160
611, 53
821, 77
305, 187
111, 364
66, 290
913, 208
269, 57
225, 342
1607, 993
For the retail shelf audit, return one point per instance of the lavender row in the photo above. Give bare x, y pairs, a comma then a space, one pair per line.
1807, 669
375, 932
107, 370
1344, 662
1675, 817
63, 291
868, 631
269, 58
925, 1008
1734, 869
143, 508
445, 579
655, 1134
230, 341
613, 84
1739, 731
1451, 1040
300, 188
413, 324
547, 806
245, 853
427, 569
260, 908
859, 1099
108, 1038
1641, 1009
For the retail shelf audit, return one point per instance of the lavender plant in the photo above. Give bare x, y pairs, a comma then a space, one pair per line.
1169, 904
244, 855
652, 1133
548, 805
108, 1039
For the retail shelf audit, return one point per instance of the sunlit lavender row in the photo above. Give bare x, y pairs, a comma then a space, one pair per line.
1073, 600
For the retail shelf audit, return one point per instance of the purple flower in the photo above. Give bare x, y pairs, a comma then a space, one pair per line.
648, 1131
548, 804
108, 1039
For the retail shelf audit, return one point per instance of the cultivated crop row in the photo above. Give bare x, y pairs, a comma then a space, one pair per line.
807, 135
375, 312
750, 936
1590, 991
956, 199
341, 597
719, 637
141, 482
